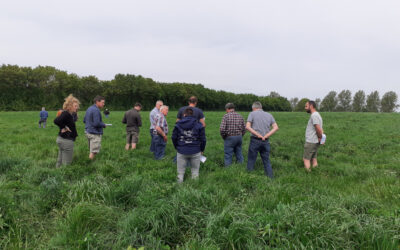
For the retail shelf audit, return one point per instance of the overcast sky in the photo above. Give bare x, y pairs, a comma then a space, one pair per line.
297, 48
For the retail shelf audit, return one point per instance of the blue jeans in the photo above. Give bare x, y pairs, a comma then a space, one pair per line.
264, 148
233, 144
151, 143
159, 147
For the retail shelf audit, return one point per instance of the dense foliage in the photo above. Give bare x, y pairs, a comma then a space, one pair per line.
126, 200
25, 88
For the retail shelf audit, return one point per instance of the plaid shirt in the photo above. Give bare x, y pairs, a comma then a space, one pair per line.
161, 122
232, 124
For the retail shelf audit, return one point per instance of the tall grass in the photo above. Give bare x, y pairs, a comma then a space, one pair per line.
127, 199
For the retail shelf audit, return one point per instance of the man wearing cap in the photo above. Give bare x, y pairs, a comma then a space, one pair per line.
259, 124
232, 129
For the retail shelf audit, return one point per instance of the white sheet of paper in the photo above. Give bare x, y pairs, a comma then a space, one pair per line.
203, 158
108, 124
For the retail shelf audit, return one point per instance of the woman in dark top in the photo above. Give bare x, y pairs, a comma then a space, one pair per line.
67, 134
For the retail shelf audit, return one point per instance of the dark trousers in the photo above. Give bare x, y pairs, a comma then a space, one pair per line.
159, 147
233, 145
264, 148
152, 143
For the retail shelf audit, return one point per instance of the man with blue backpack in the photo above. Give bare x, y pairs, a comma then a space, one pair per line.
189, 140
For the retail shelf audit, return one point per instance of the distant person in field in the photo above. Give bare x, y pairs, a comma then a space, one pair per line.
197, 113
67, 133
43, 118
259, 124
152, 116
160, 133
314, 133
232, 129
94, 126
189, 140
133, 121
106, 112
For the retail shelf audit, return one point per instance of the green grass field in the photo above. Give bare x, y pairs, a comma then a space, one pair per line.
127, 199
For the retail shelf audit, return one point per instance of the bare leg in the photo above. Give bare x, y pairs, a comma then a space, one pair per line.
127, 146
92, 155
307, 164
133, 146
314, 163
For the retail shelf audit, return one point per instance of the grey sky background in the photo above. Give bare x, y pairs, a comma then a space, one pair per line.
298, 48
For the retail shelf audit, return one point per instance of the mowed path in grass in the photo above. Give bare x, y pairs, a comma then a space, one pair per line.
127, 199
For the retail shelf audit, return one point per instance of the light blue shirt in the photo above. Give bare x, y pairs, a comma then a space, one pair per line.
153, 114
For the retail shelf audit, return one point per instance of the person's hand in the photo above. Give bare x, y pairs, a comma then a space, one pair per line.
165, 138
66, 129
260, 137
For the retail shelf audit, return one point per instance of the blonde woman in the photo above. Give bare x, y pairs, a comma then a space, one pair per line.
67, 134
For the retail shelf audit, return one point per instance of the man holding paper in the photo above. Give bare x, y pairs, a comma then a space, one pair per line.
94, 126
189, 140
314, 134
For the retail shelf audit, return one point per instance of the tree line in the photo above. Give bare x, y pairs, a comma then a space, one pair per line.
345, 102
26, 88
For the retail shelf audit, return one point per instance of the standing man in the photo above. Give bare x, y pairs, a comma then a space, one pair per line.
197, 113
232, 129
94, 126
189, 140
133, 121
160, 133
259, 124
153, 113
43, 117
314, 133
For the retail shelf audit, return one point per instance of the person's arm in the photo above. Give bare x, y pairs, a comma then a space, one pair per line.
243, 127
159, 130
319, 131
222, 128
272, 131
203, 122
97, 123
251, 130
139, 120
60, 121
203, 140
124, 119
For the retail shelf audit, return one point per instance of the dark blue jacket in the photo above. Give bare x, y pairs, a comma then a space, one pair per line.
44, 114
189, 136
93, 121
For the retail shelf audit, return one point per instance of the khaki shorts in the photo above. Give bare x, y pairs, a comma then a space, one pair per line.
94, 142
310, 150
132, 137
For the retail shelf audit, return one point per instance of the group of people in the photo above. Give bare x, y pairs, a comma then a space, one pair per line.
188, 135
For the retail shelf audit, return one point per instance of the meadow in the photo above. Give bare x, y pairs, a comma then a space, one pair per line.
125, 199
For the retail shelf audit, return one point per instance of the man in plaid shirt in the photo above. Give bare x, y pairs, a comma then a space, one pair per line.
160, 133
232, 129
